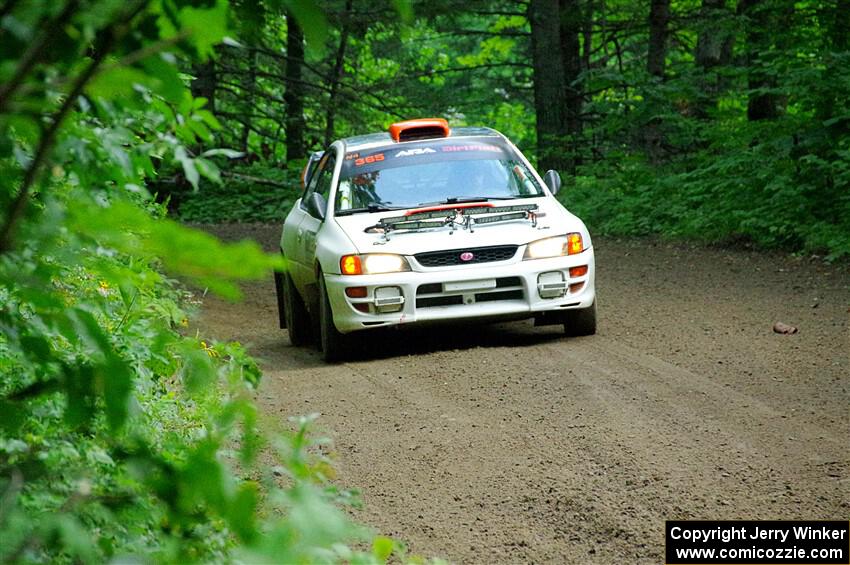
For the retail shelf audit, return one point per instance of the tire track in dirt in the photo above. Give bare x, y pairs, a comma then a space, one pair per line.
510, 443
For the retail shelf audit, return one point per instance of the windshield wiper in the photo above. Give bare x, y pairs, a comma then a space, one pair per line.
459, 200
370, 208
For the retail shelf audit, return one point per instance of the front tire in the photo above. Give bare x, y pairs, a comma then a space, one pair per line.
580, 322
297, 317
335, 346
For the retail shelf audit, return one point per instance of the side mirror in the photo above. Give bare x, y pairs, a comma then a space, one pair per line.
316, 205
553, 181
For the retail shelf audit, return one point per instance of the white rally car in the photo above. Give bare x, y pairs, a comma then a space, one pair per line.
430, 224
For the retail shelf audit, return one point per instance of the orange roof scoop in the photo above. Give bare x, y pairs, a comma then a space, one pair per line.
425, 128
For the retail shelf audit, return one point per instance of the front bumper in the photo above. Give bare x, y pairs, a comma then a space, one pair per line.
505, 289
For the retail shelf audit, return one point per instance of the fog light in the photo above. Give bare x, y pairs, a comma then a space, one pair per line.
575, 287
388, 299
551, 284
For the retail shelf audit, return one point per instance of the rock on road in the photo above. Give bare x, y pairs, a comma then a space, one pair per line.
509, 443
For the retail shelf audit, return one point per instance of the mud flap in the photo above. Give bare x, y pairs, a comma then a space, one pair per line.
281, 308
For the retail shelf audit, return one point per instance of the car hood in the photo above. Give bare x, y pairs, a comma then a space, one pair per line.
552, 220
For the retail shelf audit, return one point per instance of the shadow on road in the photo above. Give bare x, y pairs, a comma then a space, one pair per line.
385, 343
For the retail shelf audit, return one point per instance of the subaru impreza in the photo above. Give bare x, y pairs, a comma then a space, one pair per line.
430, 224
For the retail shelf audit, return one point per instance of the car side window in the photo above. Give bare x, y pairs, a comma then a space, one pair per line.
321, 180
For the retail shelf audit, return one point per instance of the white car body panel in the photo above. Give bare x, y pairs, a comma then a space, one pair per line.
490, 290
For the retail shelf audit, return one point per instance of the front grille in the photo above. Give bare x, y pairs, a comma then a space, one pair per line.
455, 300
503, 295
431, 288
479, 255
432, 294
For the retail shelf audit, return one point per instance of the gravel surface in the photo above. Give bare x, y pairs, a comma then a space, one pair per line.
508, 443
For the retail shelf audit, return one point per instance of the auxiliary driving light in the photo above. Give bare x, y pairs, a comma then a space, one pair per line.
551, 284
388, 299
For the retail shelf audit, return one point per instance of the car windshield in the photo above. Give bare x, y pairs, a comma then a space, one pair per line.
420, 174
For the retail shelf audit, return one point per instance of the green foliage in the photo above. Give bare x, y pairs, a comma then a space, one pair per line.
254, 193
121, 431
680, 157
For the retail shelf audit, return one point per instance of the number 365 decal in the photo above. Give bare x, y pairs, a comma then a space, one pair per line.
370, 159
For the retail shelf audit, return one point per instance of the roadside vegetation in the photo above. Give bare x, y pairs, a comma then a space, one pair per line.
124, 435
722, 121
123, 432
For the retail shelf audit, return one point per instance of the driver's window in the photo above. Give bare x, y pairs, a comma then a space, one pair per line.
320, 181
323, 182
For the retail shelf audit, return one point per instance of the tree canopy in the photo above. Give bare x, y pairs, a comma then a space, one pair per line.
720, 120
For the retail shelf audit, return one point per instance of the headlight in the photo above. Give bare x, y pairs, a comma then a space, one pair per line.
568, 244
372, 264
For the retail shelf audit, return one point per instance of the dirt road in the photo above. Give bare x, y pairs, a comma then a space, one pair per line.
510, 443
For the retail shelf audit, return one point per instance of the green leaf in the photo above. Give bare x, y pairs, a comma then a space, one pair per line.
404, 9
36, 347
208, 170
189, 168
116, 381
242, 513
229, 153
80, 394
198, 371
312, 21
117, 82
164, 79
77, 541
206, 26
382, 547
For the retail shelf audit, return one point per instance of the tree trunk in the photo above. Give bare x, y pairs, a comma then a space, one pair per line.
571, 24
761, 105
294, 95
659, 17
714, 48
838, 42
549, 84
250, 87
656, 57
204, 83
710, 37
587, 34
339, 69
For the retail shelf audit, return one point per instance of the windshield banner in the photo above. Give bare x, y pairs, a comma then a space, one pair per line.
359, 162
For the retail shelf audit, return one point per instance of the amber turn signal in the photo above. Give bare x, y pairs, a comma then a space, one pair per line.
356, 292
578, 271
574, 243
350, 265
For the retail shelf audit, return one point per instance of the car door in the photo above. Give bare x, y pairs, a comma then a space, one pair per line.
307, 231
